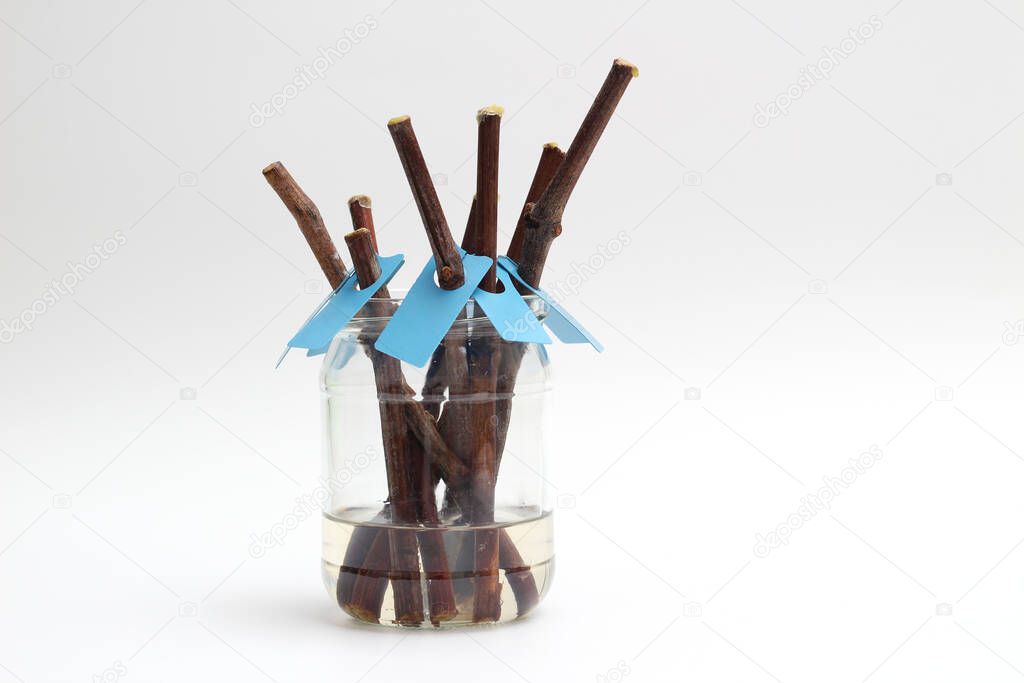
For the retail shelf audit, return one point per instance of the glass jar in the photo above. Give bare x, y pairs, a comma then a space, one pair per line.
439, 511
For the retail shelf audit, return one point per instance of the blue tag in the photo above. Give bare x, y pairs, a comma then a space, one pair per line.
341, 306
565, 327
428, 311
510, 315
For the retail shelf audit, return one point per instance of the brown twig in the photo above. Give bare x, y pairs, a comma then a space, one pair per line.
402, 497
541, 221
446, 256
401, 494
551, 157
361, 209
484, 211
544, 218
410, 488
482, 366
356, 563
311, 223
365, 598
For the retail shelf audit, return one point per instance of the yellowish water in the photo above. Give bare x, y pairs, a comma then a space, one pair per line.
529, 532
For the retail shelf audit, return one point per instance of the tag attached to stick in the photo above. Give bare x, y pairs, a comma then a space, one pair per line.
341, 306
428, 311
565, 327
510, 315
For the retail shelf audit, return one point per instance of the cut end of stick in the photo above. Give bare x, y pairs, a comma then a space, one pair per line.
356, 235
270, 169
361, 211
551, 145
630, 65
490, 110
362, 200
397, 120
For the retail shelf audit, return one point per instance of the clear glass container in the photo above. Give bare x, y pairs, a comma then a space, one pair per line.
439, 512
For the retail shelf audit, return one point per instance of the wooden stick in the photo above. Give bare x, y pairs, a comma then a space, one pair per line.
483, 367
402, 497
311, 223
485, 216
482, 364
544, 218
360, 208
370, 582
410, 488
446, 256
440, 590
356, 562
551, 157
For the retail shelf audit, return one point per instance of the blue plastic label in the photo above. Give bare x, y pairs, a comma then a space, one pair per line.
565, 327
510, 315
341, 306
428, 311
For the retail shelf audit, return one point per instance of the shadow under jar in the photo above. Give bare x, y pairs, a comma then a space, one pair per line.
438, 513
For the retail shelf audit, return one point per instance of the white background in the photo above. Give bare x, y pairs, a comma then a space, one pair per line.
847, 276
